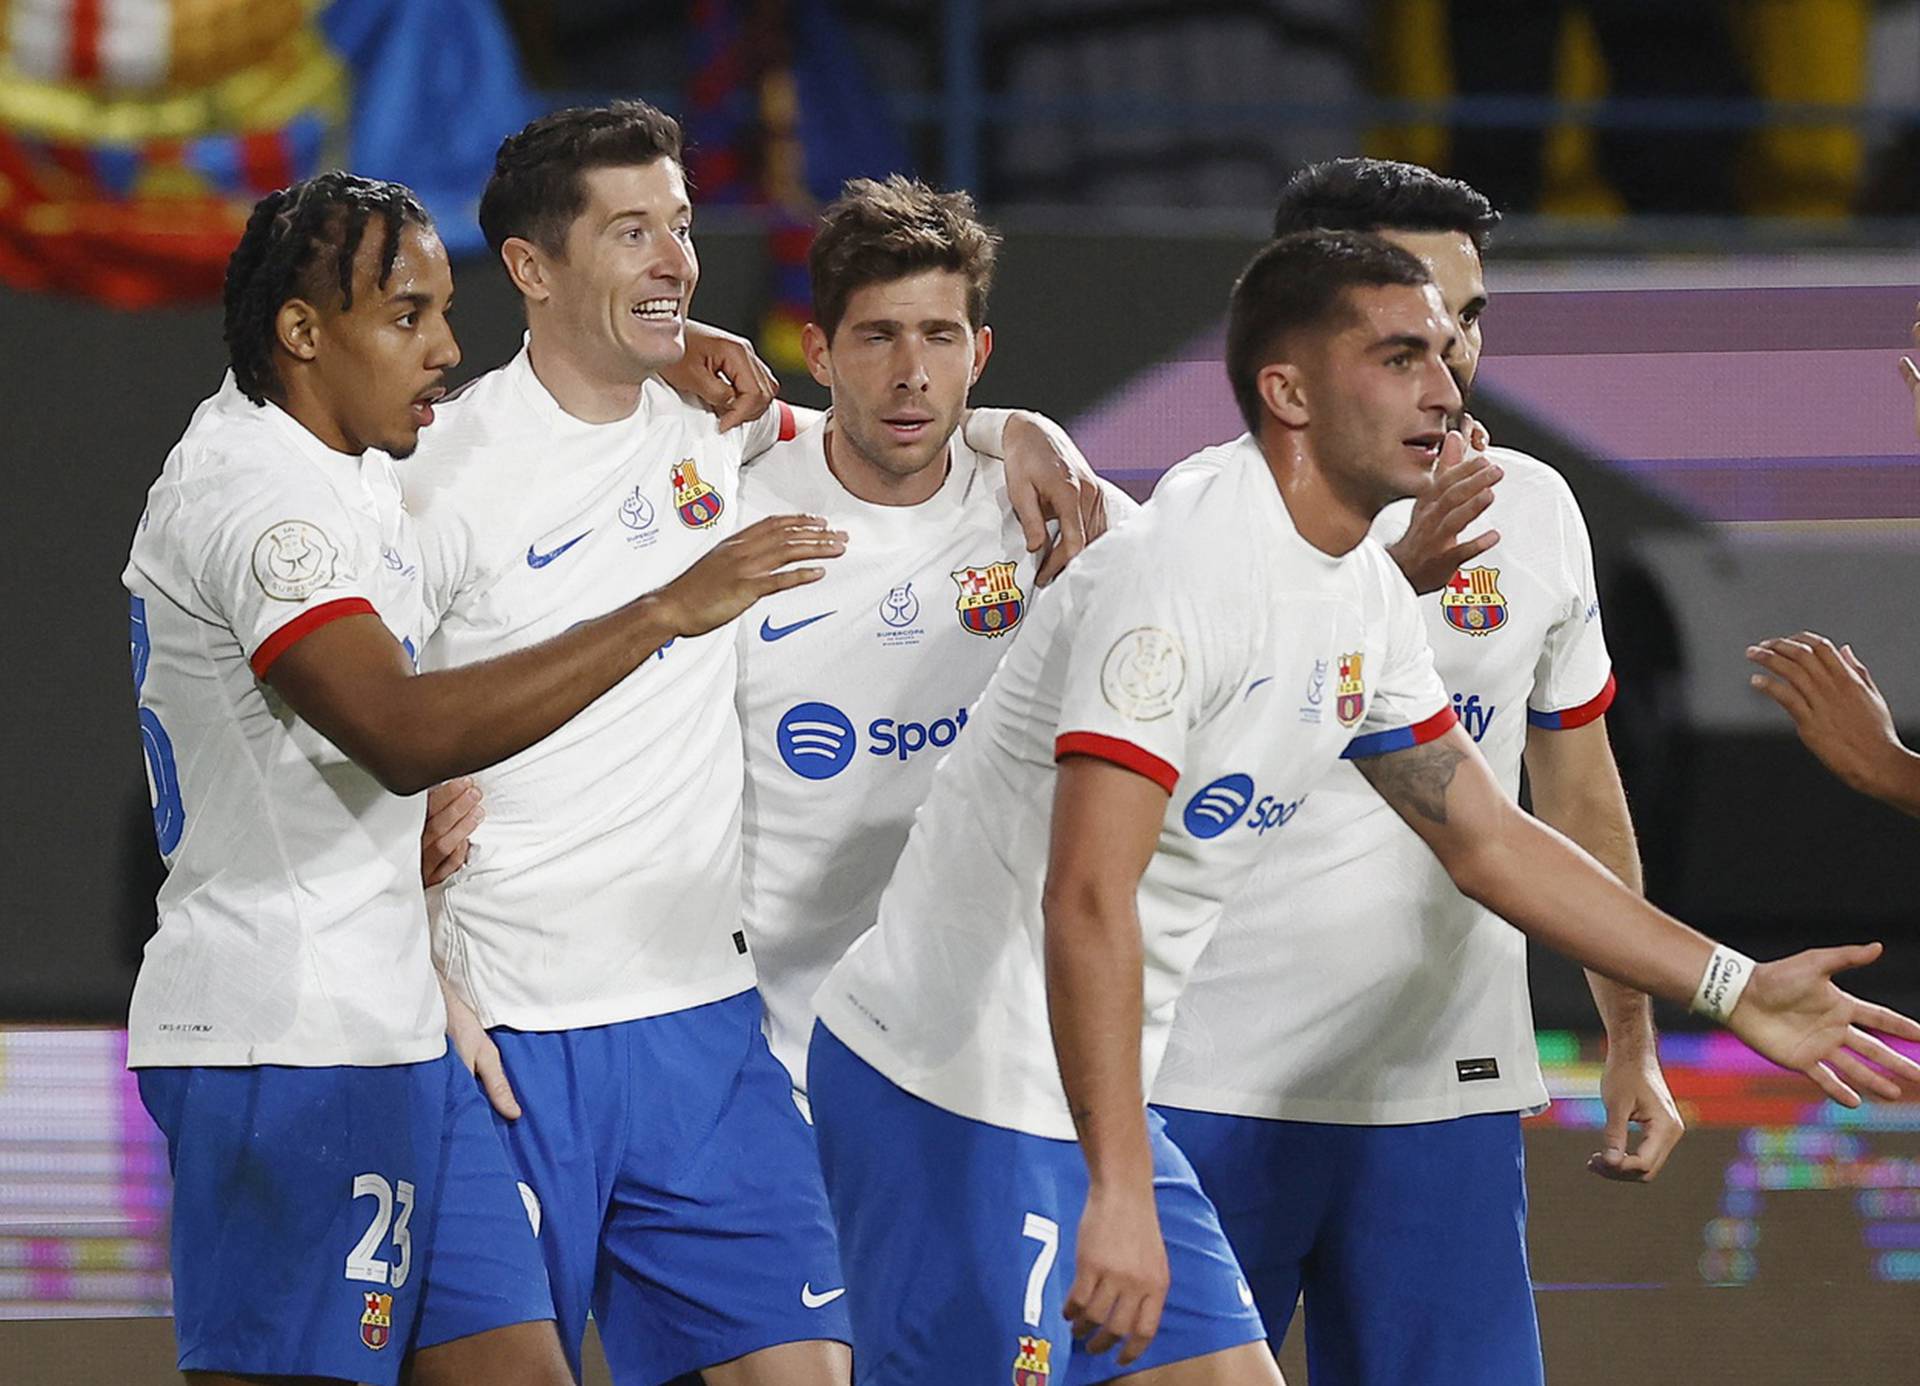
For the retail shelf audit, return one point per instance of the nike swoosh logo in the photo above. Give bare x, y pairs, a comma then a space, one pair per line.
769, 631
541, 560
820, 1301
1255, 684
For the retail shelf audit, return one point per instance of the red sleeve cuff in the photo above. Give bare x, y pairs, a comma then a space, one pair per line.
303, 625
1122, 753
789, 426
1569, 718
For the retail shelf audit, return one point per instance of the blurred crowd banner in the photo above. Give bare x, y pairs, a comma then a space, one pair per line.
135, 134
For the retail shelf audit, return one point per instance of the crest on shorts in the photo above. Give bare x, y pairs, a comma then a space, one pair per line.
990, 601
376, 1324
1350, 701
698, 503
1471, 601
1030, 1362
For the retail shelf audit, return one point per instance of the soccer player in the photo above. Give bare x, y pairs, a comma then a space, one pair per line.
342, 1209
594, 932
850, 696
1332, 1148
1159, 724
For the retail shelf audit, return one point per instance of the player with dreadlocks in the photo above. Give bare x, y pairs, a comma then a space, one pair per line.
342, 1207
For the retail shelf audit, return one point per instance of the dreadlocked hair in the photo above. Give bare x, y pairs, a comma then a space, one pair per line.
298, 240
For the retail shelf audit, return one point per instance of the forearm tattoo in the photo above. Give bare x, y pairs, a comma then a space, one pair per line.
1415, 779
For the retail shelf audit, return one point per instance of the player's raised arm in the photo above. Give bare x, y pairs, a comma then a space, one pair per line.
1789, 1011
352, 681
1106, 824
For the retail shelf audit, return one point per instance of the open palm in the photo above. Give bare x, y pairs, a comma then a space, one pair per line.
1793, 1014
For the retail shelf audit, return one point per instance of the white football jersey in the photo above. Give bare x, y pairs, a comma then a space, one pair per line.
292, 929
851, 690
604, 884
1349, 981
1206, 645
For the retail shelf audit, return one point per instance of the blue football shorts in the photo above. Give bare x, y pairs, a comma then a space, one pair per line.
958, 1240
330, 1221
676, 1189
1409, 1243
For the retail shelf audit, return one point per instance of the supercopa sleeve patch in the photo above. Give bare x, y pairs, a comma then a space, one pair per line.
1143, 673
294, 559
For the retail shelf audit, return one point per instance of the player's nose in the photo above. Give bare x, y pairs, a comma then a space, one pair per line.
910, 367
676, 261
443, 352
1442, 392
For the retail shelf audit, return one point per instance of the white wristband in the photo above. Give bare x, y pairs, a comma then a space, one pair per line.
1721, 984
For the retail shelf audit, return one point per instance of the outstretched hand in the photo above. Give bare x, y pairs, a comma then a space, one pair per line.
1793, 1014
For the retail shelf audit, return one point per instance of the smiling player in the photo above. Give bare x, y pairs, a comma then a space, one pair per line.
341, 1207
592, 942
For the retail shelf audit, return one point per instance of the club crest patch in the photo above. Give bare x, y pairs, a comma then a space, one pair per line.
376, 1323
1030, 1361
1350, 698
293, 560
1471, 601
990, 601
698, 503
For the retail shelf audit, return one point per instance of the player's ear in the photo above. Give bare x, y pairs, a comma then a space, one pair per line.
982, 349
818, 352
297, 328
1282, 388
526, 267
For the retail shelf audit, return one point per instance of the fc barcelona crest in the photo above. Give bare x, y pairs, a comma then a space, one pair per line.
1030, 1366
698, 503
1350, 700
1471, 601
376, 1324
990, 602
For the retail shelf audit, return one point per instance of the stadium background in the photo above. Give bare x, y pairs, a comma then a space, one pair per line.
1704, 283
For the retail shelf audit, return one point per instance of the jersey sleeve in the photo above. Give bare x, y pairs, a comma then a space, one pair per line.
1144, 670
1573, 679
278, 557
781, 423
1407, 706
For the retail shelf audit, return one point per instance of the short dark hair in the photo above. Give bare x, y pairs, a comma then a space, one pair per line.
1381, 195
300, 242
876, 232
1301, 281
537, 190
